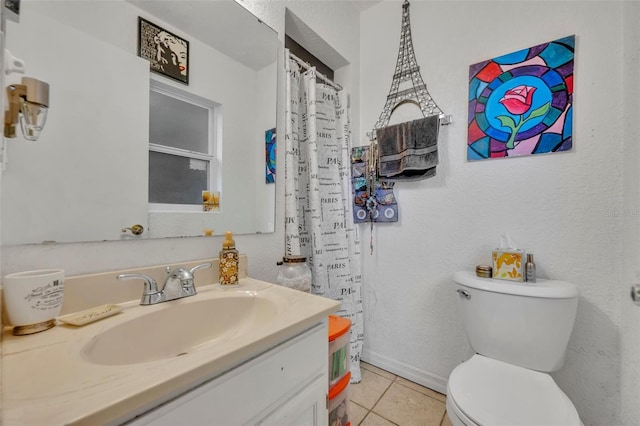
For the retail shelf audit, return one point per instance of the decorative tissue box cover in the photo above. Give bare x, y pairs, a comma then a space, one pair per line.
508, 264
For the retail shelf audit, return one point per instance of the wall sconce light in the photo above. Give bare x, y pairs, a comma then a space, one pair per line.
28, 102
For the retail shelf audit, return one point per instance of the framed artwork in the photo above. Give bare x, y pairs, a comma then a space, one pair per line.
167, 53
12, 9
522, 103
270, 155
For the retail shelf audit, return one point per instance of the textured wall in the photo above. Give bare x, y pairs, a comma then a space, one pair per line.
560, 206
630, 321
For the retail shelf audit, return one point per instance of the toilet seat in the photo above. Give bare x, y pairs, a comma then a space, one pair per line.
490, 392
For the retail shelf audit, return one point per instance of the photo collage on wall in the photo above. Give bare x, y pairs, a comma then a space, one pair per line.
377, 204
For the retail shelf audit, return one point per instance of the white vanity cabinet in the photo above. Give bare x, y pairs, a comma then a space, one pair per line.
287, 385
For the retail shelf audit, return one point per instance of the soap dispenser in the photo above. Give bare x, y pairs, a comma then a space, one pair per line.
228, 261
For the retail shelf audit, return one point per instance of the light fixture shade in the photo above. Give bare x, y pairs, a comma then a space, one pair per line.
29, 103
32, 119
37, 91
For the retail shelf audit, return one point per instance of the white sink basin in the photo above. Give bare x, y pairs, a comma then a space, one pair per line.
110, 368
178, 327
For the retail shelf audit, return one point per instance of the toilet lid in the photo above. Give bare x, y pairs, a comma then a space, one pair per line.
492, 392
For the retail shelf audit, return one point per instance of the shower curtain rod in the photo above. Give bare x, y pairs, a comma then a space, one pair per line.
323, 77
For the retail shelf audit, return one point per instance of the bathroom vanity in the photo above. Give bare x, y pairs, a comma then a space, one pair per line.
252, 354
284, 386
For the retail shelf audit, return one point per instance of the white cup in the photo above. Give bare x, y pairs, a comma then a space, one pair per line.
33, 299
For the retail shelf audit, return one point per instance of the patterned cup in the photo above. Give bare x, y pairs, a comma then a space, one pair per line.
33, 299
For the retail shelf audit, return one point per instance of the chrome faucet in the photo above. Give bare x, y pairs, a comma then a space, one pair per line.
178, 284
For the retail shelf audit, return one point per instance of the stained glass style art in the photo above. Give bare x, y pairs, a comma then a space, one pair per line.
522, 103
270, 155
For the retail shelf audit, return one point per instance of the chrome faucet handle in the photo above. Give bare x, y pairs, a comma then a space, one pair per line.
192, 285
150, 295
204, 265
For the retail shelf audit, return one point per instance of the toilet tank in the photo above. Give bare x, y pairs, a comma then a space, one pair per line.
525, 324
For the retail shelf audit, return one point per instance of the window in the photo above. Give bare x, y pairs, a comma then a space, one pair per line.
182, 143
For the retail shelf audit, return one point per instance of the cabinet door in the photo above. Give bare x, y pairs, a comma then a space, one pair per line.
307, 408
295, 370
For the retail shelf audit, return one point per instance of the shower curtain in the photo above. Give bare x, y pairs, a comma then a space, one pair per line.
318, 214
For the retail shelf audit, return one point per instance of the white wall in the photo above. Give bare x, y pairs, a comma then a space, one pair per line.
334, 21
60, 197
559, 206
630, 319
265, 202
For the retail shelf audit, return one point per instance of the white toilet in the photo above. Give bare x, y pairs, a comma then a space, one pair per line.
519, 332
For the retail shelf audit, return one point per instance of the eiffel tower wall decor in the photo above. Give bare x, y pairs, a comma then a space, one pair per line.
401, 151
406, 70
408, 150
522, 103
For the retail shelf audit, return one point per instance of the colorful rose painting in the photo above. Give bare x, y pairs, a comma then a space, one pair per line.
518, 100
270, 155
522, 103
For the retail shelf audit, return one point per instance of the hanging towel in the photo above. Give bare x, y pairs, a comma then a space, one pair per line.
409, 150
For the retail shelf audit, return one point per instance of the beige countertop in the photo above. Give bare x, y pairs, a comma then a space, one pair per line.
47, 379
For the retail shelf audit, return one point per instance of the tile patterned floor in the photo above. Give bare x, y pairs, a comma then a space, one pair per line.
384, 399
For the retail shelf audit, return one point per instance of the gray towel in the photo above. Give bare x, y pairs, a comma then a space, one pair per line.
409, 150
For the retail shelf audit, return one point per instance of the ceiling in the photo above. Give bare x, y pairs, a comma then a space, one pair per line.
362, 5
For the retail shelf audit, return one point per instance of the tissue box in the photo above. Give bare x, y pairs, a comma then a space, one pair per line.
509, 264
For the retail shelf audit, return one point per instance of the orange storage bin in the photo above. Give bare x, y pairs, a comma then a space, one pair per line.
339, 357
339, 402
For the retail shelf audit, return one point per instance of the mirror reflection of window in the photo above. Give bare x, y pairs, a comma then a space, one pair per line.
181, 149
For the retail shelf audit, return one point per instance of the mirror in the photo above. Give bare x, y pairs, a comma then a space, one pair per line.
87, 177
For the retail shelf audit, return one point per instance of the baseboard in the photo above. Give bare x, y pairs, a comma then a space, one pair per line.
424, 378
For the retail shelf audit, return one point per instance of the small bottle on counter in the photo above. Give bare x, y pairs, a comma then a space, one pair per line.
530, 269
229, 261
